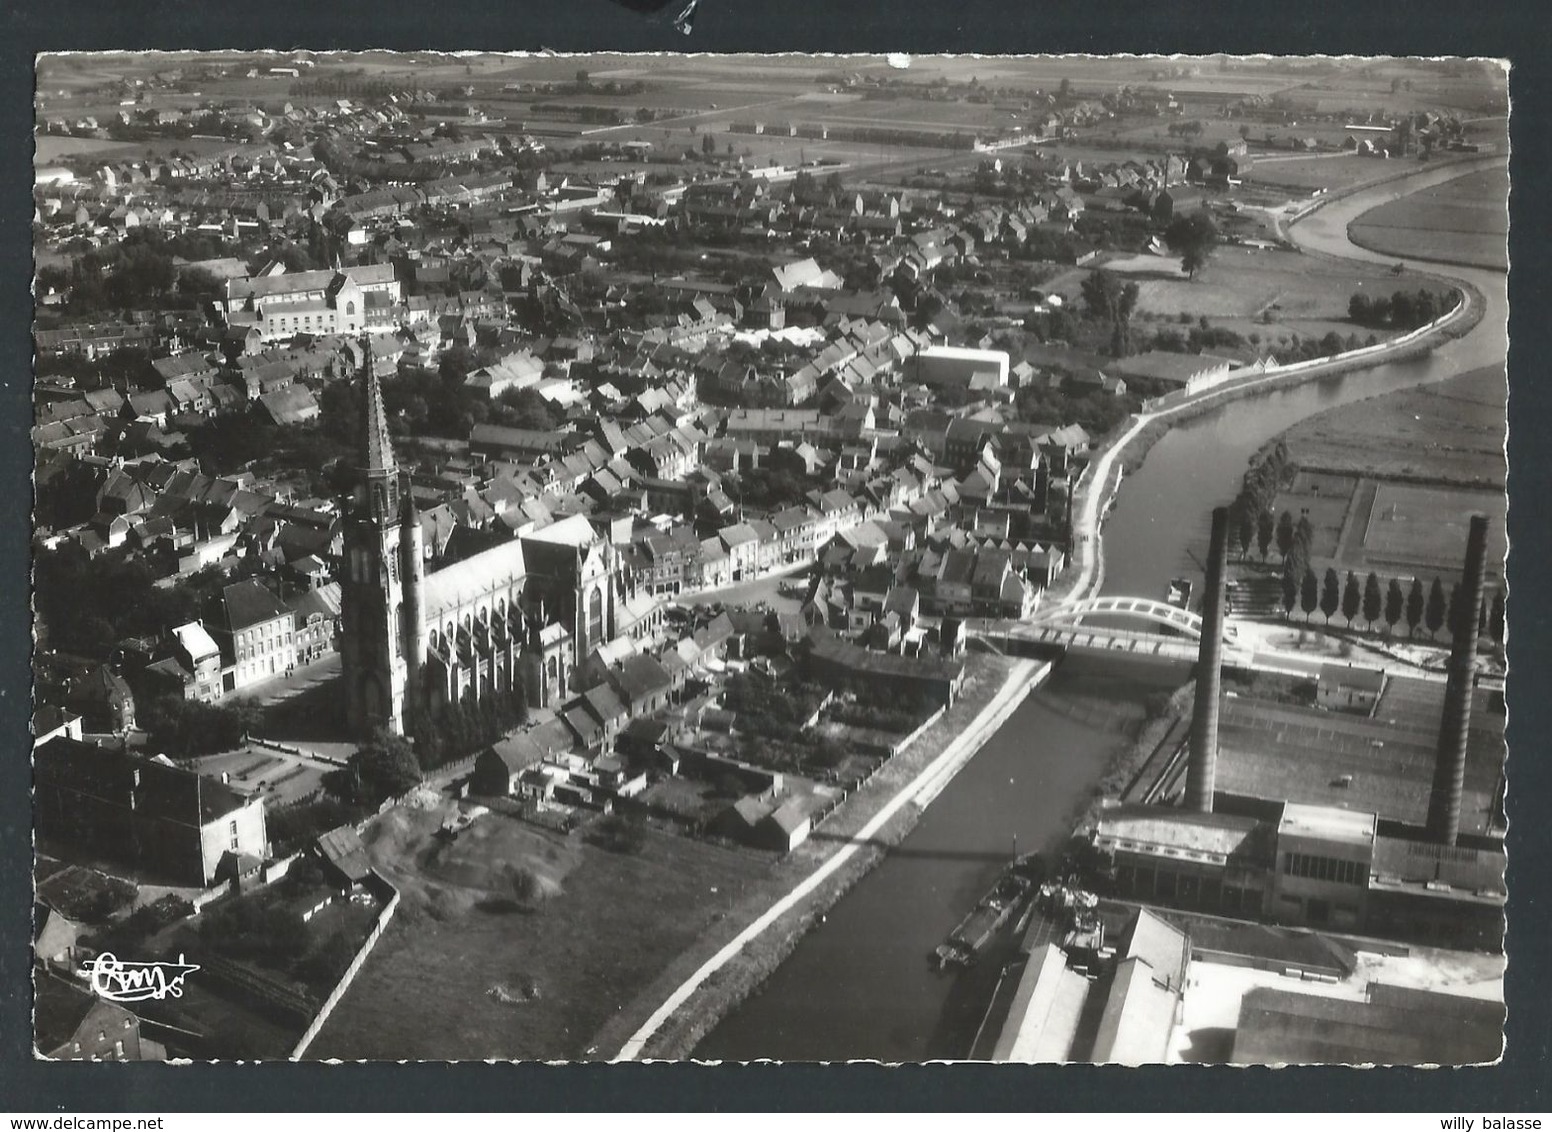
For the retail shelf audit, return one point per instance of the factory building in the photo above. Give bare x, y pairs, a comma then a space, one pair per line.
1385, 825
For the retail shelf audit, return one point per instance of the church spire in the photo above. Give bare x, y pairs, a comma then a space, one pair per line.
379, 468
379, 449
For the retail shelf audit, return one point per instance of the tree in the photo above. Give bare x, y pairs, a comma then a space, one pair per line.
1304, 532
455, 363
1373, 599
1455, 614
384, 767
1265, 528
582, 78
1330, 594
708, 144
1247, 533
1352, 598
1108, 298
1495, 618
1290, 590
184, 728
1193, 236
1414, 607
1064, 90
1403, 310
1395, 604
1285, 534
1309, 594
1433, 616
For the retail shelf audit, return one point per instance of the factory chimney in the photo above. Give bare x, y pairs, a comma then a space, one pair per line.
1202, 766
1449, 768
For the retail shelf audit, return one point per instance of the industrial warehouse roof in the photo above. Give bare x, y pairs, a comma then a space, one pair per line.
1043, 1018
1384, 765
1428, 868
1183, 834
1395, 1026
1329, 823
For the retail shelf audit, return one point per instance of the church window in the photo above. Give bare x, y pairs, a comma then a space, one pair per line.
595, 615
350, 308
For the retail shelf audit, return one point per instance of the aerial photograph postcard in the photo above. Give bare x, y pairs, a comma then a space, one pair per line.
890, 558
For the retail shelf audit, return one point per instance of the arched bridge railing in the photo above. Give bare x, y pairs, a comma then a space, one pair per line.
1127, 608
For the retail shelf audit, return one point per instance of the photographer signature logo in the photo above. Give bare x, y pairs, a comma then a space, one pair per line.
118, 981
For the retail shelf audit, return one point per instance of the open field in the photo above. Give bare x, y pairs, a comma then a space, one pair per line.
451, 979
1464, 220
1449, 433
1240, 282
1393, 529
51, 149
1329, 173
1389, 483
1424, 528
1325, 501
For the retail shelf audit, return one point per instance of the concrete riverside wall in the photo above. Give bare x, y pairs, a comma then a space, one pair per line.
1237, 384
378, 882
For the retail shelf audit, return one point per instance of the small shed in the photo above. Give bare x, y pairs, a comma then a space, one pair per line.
344, 856
1347, 687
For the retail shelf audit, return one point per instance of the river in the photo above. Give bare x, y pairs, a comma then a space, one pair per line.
859, 986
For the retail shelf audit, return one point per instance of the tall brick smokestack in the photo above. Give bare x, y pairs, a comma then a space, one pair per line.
1202, 767
1449, 768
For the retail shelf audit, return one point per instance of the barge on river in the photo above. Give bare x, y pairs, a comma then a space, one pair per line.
975, 931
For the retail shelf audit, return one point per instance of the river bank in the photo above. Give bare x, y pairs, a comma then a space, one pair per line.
1128, 450
725, 966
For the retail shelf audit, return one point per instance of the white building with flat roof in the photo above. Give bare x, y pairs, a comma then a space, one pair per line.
959, 366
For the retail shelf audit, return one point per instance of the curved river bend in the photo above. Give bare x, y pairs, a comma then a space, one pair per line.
859, 986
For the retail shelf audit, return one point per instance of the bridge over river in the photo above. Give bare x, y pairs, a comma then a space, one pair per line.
1139, 627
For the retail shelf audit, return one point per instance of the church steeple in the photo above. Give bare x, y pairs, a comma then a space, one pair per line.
379, 468
373, 641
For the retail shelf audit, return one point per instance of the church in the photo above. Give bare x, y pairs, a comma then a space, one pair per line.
524, 613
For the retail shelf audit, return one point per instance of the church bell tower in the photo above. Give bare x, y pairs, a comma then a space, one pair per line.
373, 644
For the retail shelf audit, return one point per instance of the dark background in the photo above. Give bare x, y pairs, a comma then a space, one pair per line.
1522, 33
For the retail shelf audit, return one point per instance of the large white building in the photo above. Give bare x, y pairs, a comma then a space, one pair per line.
307, 302
955, 365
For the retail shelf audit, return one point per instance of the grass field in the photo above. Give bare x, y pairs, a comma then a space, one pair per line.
1451, 432
1389, 483
51, 149
451, 977
1241, 282
1465, 220
1330, 173
1424, 528
1325, 500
